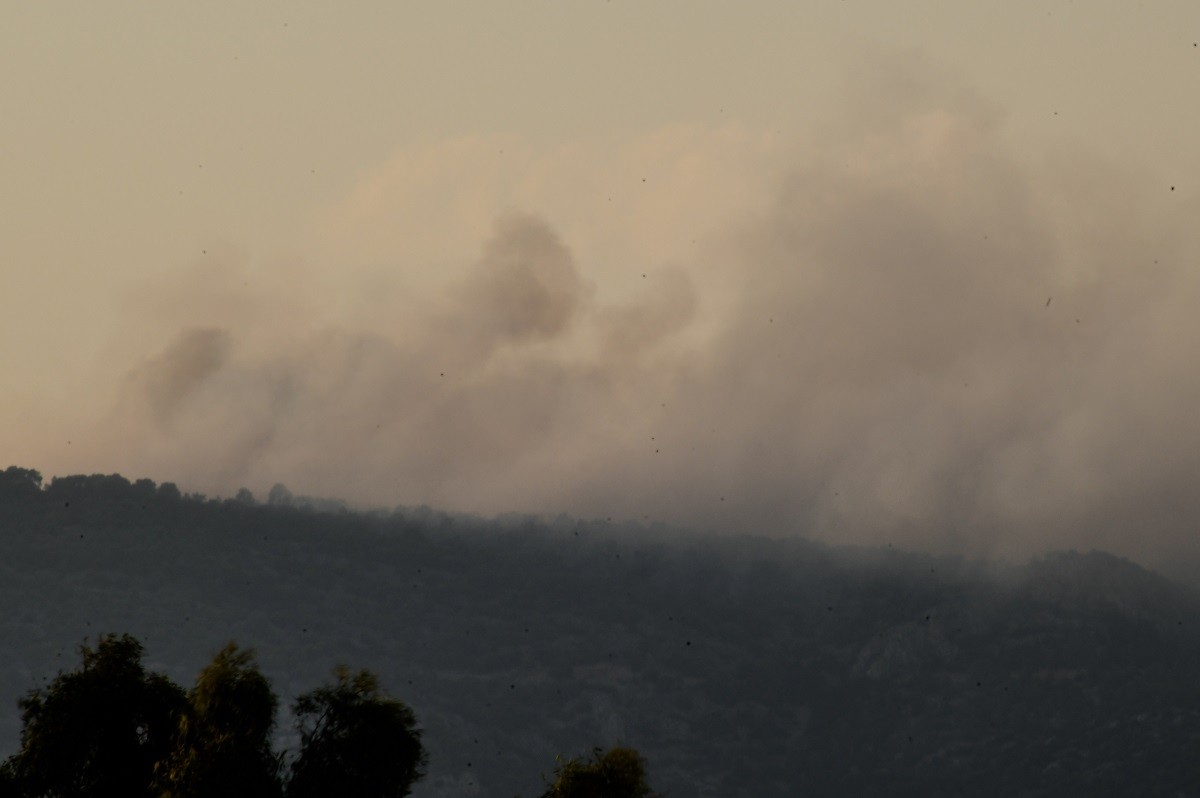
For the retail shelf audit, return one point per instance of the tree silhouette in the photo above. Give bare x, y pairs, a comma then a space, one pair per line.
356, 742
618, 773
20, 481
279, 496
111, 728
98, 730
223, 744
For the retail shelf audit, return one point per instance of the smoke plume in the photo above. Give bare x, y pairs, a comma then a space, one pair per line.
912, 331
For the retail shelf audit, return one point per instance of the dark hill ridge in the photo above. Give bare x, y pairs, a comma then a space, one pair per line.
1098, 580
739, 666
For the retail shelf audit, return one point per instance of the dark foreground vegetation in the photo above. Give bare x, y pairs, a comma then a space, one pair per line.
745, 666
111, 728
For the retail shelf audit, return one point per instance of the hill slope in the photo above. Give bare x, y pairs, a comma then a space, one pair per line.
738, 666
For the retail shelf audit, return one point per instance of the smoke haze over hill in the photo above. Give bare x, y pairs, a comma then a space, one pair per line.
901, 328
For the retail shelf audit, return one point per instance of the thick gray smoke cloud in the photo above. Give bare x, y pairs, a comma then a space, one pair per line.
932, 343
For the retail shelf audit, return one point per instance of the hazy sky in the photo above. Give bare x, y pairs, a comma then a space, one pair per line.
868, 270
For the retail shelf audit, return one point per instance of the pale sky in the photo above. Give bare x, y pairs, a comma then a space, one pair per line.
395, 252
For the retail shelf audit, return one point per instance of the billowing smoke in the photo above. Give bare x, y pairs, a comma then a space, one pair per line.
168, 380
913, 335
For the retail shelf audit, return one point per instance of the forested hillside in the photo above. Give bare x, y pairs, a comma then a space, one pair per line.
739, 666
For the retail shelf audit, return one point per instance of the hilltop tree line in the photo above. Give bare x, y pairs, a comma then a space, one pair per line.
17, 484
110, 727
